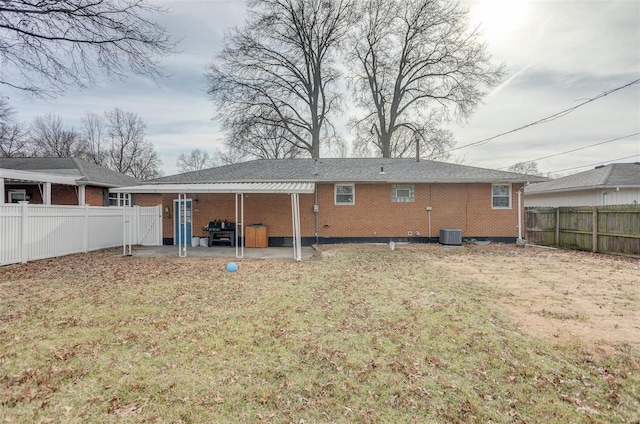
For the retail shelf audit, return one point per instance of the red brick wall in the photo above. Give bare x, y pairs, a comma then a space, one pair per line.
272, 210
93, 196
32, 191
60, 194
463, 206
148, 199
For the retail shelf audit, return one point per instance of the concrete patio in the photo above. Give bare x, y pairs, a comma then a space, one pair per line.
223, 252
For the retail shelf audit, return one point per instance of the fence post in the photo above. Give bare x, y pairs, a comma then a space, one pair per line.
24, 237
86, 228
159, 232
594, 231
136, 225
557, 239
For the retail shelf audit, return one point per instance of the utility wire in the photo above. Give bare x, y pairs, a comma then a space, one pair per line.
596, 163
579, 148
548, 118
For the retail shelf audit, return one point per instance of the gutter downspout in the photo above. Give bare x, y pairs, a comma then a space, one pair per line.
519, 215
315, 211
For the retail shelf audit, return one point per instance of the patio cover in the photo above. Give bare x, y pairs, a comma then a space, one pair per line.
292, 188
264, 187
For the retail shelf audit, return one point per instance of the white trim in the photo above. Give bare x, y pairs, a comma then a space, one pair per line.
46, 193
510, 196
20, 191
245, 188
335, 194
41, 177
82, 195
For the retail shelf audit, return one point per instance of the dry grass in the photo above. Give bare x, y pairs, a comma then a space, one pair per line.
359, 334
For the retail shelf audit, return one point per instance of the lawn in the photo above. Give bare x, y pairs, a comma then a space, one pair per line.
421, 334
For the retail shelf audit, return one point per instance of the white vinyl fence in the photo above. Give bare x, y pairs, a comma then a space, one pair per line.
29, 232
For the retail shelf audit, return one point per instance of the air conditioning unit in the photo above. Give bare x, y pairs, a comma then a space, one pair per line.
451, 237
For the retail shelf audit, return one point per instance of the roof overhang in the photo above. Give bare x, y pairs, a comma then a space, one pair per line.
272, 187
40, 177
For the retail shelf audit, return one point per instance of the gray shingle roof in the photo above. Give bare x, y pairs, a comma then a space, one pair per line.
86, 172
613, 175
346, 170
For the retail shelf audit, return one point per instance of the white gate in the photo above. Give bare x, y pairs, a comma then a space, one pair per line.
149, 225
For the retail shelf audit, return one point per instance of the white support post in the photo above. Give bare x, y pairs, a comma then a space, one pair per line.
46, 194
82, 195
182, 221
295, 217
240, 227
2, 191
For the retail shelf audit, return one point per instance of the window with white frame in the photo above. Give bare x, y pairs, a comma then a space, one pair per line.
117, 199
345, 194
501, 196
17, 195
402, 193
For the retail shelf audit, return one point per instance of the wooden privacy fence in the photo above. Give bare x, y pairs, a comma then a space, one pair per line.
30, 232
605, 229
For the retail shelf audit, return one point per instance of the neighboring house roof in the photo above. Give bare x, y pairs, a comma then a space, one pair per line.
346, 170
82, 172
616, 175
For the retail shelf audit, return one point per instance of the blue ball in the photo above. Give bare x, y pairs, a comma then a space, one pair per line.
232, 267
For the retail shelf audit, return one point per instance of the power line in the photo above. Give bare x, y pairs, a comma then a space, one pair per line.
579, 148
548, 118
596, 163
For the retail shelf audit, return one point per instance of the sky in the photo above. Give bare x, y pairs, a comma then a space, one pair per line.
558, 54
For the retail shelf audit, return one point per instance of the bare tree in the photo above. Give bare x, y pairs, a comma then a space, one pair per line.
129, 152
13, 136
194, 161
229, 155
412, 62
251, 140
278, 71
46, 46
50, 138
528, 168
93, 135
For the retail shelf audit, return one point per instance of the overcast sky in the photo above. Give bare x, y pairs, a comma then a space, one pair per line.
558, 54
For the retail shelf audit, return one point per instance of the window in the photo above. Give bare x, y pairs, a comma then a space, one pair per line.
116, 199
402, 193
19, 195
501, 196
345, 194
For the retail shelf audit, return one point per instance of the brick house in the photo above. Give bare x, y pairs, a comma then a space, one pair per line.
343, 200
59, 181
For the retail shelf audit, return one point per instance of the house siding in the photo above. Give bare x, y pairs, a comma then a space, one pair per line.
272, 210
374, 215
590, 197
145, 199
463, 206
94, 196
60, 194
